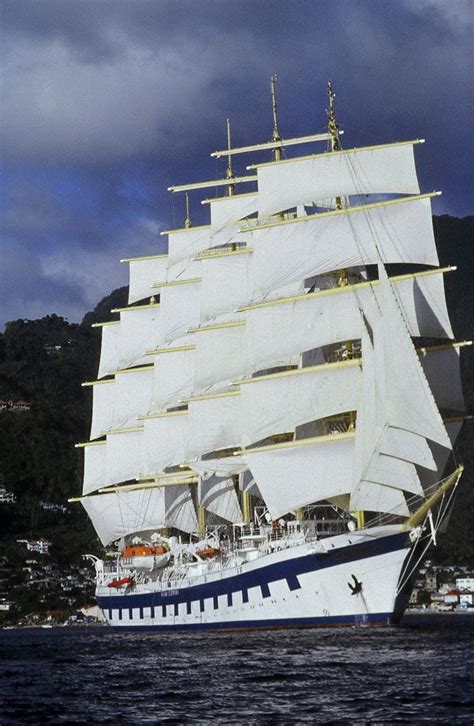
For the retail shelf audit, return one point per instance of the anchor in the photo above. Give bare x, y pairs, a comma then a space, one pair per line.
355, 588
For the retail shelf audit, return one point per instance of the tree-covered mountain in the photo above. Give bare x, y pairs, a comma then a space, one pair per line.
43, 362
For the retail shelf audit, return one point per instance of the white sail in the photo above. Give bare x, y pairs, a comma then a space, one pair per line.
140, 331
222, 467
131, 394
213, 423
95, 466
117, 514
423, 302
397, 473
226, 284
164, 442
290, 476
375, 170
408, 399
278, 403
290, 251
173, 377
217, 495
226, 210
408, 446
221, 355
372, 497
396, 395
180, 307
103, 407
248, 484
440, 455
110, 348
277, 333
180, 511
183, 245
123, 458
144, 272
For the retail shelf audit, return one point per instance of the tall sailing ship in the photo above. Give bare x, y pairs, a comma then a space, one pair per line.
276, 408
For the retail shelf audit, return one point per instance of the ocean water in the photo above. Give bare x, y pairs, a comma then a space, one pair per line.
96, 675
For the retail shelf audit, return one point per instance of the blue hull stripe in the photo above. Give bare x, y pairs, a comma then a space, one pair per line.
261, 577
329, 621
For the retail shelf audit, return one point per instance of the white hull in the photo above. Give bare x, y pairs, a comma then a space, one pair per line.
310, 584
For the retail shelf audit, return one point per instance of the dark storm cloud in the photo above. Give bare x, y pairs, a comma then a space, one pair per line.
89, 82
107, 103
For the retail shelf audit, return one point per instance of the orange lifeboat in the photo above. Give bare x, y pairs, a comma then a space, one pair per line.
144, 551
207, 553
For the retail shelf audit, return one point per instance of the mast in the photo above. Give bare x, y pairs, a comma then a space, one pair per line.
276, 131
201, 521
187, 222
333, 128
229, 171
343, 278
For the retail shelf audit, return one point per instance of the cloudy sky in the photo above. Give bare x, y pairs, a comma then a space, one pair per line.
105, 103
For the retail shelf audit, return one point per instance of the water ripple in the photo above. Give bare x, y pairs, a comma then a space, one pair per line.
343, 676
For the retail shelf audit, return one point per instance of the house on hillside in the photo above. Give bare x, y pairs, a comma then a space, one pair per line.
21, 406
37, 545
6, 497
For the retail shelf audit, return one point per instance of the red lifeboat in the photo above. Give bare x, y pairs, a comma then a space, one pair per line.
122, 582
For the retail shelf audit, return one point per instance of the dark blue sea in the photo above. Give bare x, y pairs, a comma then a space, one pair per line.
94, 675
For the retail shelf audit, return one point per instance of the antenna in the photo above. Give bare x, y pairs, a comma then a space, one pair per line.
187, 221
276, 131
229, 172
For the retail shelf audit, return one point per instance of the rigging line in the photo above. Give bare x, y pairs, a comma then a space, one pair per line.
139, 512
405, 569
120, 510
356, 175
